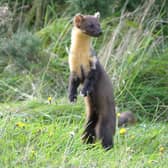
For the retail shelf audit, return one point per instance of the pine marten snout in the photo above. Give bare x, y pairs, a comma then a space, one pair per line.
85, 69
88, 24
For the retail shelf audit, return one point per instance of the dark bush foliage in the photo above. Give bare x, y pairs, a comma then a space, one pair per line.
23, 49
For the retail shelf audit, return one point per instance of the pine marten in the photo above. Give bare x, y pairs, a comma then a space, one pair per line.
126, 118
86, 69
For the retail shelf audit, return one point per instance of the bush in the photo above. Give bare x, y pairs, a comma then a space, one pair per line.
22, 49
89, 7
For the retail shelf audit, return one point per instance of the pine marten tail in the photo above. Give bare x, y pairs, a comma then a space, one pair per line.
126, 118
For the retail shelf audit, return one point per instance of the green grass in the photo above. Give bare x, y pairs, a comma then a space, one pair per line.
34, 65
38, 134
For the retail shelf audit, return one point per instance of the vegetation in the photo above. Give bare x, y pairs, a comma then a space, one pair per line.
34, 36
37, 134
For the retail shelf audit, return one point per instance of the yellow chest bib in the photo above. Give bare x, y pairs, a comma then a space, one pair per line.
78, 64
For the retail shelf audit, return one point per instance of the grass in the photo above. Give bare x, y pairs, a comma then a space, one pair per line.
34, 65
38, 134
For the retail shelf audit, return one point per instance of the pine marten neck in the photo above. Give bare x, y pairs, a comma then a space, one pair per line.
80, 43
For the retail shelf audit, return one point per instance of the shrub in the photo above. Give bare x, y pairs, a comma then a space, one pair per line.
89, 7
22, 49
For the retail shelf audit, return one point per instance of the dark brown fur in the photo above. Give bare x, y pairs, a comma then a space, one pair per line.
97, 89
101, 118
126, 118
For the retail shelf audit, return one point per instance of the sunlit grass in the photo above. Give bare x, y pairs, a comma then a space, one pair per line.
39, 134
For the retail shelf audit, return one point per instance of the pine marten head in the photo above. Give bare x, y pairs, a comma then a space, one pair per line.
88, 24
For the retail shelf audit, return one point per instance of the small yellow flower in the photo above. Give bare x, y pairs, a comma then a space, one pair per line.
161, 149
33, 153
118, 114
51, 133
123, 131
20, 124
132, 137
49, 99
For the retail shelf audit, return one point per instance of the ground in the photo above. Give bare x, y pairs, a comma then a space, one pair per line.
40, 134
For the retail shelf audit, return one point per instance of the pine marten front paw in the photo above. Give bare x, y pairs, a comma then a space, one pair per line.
85, 92
72, 98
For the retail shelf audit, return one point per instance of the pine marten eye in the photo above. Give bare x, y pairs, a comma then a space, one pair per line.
91, 25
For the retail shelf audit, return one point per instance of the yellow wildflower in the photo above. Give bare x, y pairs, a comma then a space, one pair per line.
51, 133
33, 153
118, 114
20, 124
132, 137
161, 149
49, 99
123, 131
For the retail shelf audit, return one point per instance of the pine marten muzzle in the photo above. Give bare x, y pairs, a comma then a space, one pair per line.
86, 69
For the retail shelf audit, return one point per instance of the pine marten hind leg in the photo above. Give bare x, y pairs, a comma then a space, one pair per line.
89, 134
104, 132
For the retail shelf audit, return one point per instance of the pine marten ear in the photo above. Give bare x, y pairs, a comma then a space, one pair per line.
78, 20
97, 15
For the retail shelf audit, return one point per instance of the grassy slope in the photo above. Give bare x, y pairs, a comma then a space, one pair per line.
49, 136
